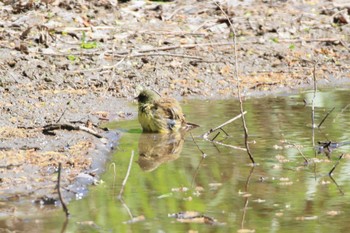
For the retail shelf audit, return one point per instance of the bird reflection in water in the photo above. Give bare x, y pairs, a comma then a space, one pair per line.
158, 148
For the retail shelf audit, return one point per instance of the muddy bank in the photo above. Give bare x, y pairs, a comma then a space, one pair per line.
68, 62
29, 155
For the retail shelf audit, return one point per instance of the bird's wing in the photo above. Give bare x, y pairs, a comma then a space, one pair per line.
169, 108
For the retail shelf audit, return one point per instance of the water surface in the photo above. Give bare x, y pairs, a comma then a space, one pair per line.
281, 194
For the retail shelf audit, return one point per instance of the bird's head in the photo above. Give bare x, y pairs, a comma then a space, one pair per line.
146, 96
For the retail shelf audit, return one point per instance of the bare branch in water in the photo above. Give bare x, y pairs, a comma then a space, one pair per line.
246, 135
246, 198
216, 135
335, 165
205, 136
336, 184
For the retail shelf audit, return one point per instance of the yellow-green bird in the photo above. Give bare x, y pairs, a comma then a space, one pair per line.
161, 115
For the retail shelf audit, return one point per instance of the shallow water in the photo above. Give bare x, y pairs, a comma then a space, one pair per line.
281, 194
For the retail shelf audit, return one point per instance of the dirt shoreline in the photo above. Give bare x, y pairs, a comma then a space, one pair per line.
66, 62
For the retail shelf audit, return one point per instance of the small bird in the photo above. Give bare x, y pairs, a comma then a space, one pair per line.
161, 115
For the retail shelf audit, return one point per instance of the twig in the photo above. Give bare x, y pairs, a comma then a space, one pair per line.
100, 68
47, 129
64, 111
126, 207
224, 131
10, 166
338, 13
203, 154
126, 176
313, 106
205, 136
173, 33
302, 154
64, 226
114, 175
174, 13
336, 184
95, 28
186, 46
166, 54
216, 135
144, 52
65, 209
227, 145
247, 198
305, 159
341, 112
308, 40
335, 165
319, 125
238, 84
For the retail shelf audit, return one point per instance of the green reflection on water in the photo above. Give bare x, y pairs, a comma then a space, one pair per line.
279, 195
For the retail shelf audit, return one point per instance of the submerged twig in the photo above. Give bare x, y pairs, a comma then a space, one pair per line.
302, 154
216, 135
112, 165
341, 112
126, 207
64, 226
335, 165
246, 198
204, 155
126, 176
224, 131
65, 209
246, 135
325, 117
336, 184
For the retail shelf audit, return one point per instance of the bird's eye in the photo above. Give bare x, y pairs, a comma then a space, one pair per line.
141, 97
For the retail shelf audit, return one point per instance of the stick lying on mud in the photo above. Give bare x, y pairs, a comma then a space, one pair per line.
47, 129
65, 209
